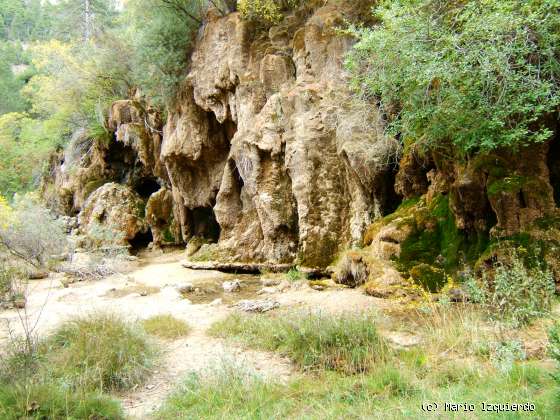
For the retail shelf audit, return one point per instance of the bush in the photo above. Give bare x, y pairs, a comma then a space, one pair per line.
478, 75
66, 375
161, 34
347, 343
166, 326
97, 353
30, 232
515, 293
267, 11
294, 274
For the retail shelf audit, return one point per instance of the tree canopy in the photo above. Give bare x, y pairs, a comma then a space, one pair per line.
475, 75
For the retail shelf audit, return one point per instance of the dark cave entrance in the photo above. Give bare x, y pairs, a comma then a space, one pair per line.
140, 241
204, 224
145, 187
390, 200
553, 162
120, 160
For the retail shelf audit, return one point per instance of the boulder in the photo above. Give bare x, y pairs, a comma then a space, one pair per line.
113, 214
257, 305
352, 270
231, 286
388, 284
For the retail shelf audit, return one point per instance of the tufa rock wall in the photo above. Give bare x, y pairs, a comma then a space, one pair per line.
265, 152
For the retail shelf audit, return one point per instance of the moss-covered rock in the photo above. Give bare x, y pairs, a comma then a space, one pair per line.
351, 270
429, 277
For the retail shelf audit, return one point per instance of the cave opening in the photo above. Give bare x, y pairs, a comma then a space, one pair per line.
140, 241
553, 162
120, 159
145, 187
390, 200
204, 224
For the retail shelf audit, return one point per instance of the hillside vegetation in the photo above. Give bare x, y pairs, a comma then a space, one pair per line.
389, 169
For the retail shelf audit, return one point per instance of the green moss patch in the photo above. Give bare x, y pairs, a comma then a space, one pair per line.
436, 241
430, 278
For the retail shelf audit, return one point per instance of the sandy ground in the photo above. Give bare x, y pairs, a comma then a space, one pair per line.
49, 303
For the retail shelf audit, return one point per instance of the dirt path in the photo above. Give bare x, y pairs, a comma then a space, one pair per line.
153, 288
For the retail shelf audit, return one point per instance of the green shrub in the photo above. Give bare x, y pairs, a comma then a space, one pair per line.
160, 33
474, 74
66, 375
515, 293
166, 326
506, 353
266, 11
99, 352
31, 242
344, 342
294, 274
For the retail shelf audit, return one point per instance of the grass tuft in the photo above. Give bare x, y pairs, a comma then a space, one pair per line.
166, 326
314, 341
67, 374
52, 401
98, 352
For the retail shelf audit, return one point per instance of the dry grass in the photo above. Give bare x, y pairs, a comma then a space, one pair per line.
166, 326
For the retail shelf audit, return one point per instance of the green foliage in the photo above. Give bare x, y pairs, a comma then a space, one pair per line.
394, 390
474, 74
97, 353
50, 401
166, 326
23, 19
506, 353
67, 374
22, 145
160, 35
11, 55
515, 293
294, 274
554, 347
345, 343
229, 391
69, 21
266, 11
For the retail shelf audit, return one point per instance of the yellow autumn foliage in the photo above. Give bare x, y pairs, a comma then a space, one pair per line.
269, 11
7, 216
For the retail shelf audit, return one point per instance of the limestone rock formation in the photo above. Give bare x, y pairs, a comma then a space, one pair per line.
117, 208
266, 157
266, 140
159, 216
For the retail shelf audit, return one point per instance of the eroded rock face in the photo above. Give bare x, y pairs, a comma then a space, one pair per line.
159, 216
522, 193
267, 137
116, 207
